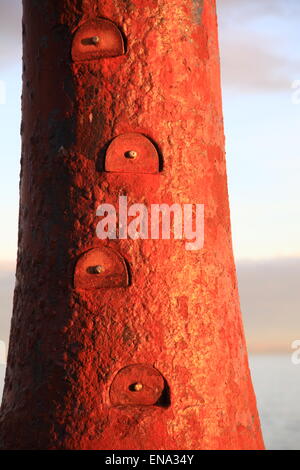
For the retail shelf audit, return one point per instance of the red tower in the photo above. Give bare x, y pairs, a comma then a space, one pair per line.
124, 343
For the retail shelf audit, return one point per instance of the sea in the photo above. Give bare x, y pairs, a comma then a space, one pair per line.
276, 382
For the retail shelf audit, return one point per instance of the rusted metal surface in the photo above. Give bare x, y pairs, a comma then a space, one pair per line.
181, 312
135, 385
132, 153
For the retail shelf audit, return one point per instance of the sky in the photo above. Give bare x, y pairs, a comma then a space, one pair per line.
260, 59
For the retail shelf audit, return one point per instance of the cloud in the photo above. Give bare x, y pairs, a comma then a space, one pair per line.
7, 282
246, 10
2, 352
10, 32
252, 65
270, 300
2, 375
253, 36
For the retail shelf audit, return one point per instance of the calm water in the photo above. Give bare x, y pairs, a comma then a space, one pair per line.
277, 385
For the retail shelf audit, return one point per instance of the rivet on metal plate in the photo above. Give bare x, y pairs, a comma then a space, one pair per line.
101, 268
97, 39
138, 384
132, 153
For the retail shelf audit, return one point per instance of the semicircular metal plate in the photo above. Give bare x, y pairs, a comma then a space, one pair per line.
101, 268
132, 153
137, 384
97, 39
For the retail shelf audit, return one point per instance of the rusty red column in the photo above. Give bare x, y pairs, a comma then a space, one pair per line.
124, 344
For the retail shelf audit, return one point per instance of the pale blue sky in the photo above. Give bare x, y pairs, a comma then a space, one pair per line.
260, 60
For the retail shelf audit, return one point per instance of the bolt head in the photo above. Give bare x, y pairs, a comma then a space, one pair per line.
98, 269
138, 387
95, 40
131, 154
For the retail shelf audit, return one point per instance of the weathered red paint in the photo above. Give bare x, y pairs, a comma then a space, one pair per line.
181, 313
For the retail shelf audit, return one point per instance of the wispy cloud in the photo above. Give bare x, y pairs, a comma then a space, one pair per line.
10, 32
254, 58
270, 303
245, 10
250, 64
7, 282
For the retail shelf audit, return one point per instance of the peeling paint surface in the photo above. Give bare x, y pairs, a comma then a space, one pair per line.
197, 10
180, 314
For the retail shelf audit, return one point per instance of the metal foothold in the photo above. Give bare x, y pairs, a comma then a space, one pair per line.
143, 159
101, 268
97, 39
138, 384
